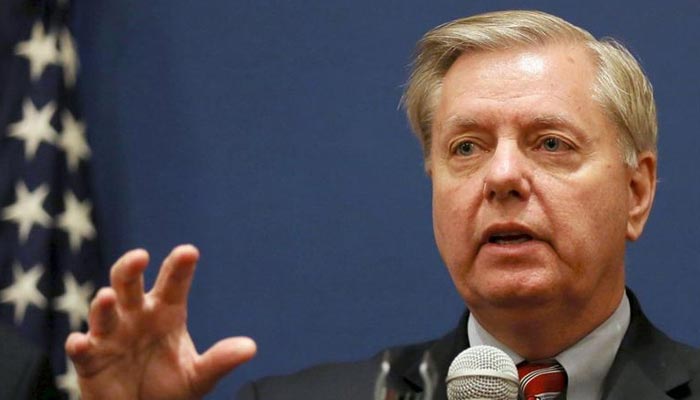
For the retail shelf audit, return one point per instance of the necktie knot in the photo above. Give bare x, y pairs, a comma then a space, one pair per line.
542, 380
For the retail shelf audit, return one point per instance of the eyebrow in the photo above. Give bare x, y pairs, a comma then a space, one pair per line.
551, 120
462, 122
554, 120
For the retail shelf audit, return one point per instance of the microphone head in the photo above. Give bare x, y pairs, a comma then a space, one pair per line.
482, 372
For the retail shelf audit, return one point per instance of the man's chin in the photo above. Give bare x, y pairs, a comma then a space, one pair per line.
513, 297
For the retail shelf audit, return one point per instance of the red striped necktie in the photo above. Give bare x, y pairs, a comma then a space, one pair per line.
542, 380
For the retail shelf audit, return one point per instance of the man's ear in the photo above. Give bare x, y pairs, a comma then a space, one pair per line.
642, 187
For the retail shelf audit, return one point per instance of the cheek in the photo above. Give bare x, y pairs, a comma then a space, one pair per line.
454, 209
588, 220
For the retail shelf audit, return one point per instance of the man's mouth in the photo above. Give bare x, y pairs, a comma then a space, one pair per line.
509, 238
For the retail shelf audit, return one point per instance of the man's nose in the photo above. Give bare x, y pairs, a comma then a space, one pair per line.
507, 174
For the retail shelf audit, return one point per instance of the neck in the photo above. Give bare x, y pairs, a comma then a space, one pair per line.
543, 332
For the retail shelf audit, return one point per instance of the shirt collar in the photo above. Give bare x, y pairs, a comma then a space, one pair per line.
586, 363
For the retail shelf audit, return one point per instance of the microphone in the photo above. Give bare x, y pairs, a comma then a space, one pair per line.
482, 373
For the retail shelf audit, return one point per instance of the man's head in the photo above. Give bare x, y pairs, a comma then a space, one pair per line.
621, 86
540, 143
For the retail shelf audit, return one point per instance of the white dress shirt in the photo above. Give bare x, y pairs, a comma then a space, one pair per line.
586, 363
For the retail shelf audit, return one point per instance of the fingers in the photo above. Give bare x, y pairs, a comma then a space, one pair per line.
84, 354
175, 276
77, 345
220, 359
78, 349
126, 277
102, 318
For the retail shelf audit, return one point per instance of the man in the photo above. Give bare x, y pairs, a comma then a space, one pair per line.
540, 142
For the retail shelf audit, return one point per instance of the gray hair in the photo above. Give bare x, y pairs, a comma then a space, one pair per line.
621, 88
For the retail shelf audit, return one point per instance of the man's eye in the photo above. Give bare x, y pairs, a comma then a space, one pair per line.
553, 144
465, 149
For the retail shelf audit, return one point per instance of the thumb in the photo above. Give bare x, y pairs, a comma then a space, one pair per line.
220, 359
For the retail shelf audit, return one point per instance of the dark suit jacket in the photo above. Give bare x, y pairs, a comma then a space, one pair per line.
648, 366
24, 372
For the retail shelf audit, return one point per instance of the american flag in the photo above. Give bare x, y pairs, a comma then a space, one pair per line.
49, 256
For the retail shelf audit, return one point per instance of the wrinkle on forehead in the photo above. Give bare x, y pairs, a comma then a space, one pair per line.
522, 65
527, 74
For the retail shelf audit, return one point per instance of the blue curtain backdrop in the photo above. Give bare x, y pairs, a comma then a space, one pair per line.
267, 133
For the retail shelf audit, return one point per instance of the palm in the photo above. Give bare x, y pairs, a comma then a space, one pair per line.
160, 361
138, 346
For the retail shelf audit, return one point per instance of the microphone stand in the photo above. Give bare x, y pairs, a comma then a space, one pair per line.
428, 374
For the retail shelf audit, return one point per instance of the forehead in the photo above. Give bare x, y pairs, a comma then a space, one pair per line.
551, 80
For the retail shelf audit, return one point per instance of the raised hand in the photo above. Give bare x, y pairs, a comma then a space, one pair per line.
138, 346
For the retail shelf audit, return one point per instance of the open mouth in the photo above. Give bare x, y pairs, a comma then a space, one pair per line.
509, 238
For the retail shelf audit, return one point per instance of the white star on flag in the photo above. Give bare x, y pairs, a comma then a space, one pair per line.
45, 215
72, 140
27, 209
75, 301
68, 57
69, 381
75, 220
24, 290
34, 127
40, 50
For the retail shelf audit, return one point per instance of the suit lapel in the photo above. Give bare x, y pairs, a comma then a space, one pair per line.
632, 383
646, 366
405, 366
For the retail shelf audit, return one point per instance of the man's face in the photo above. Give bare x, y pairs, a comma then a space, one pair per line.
531, 197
